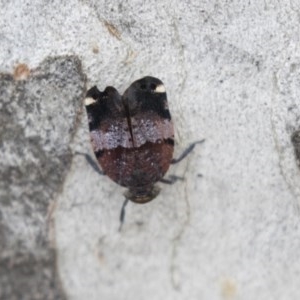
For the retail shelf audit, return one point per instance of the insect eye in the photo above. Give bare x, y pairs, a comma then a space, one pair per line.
152, 86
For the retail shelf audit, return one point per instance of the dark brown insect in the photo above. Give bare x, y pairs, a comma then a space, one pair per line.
133, 136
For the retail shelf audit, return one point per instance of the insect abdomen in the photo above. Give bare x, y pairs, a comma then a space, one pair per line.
137, 167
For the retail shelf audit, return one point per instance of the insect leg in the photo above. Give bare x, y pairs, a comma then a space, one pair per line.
186, 152
91, 162
122, 214
171, 179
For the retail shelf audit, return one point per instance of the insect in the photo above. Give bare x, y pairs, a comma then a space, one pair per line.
132, 137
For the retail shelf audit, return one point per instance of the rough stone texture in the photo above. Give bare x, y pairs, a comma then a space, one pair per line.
231, 69
38, 117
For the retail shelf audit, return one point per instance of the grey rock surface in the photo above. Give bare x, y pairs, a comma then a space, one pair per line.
231, 70
38, 119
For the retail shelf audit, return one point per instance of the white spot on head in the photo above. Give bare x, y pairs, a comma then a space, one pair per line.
88, 101
160, 89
